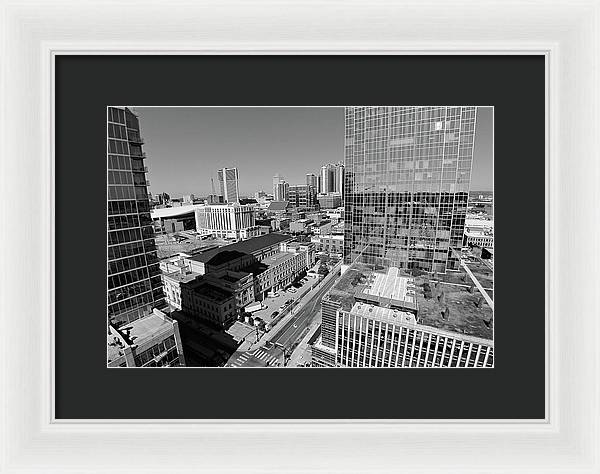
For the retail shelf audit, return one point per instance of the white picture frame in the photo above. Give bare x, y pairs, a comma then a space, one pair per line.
565, 32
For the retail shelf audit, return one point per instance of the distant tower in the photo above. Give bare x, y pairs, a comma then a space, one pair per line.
229, 181
280, 188
312, 180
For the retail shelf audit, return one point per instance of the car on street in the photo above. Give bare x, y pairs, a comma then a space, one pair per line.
274, 313
292, 290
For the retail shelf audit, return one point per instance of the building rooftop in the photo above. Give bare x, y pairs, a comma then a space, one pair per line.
391, 285
148, 327
479, 233
479, 222
388, 288
164, 212
244, 247
212, 293
223, 257
278, 205
182, 277
330, 236
467, 313
449, 302
386, 315
278, 258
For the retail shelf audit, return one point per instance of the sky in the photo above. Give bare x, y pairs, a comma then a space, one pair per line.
186, 146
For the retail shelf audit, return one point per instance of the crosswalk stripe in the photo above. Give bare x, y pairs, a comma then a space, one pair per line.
234, 364
243, 357
263, 356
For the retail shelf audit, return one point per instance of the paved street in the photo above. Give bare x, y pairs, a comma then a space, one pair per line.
271, 353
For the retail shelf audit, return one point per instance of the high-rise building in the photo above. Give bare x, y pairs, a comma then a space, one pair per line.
229, 181
407, 180
302, 196
312, 180
407, 183
134, 285
331, 178
138, 333
280, 188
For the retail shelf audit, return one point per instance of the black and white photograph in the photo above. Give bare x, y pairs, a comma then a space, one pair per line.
300, 237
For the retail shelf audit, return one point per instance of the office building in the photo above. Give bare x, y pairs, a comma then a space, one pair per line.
407, 177
312, 180
280, 188
330, 243
134, 284
332, 178
382, 317
302, 196
322, 228
226, 221
229, 182
329, 201
301, 226
479, 232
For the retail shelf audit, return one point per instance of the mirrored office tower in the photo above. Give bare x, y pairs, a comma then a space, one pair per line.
134, 284
408, 172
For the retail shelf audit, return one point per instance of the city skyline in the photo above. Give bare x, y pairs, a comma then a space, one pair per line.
290, 141
297, 281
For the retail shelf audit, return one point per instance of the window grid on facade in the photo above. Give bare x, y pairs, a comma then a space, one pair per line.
364, 342
407, 180
133, 276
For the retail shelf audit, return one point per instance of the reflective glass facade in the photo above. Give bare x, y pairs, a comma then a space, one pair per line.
407, 178
134, 283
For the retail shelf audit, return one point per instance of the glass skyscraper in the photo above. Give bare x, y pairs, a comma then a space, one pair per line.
134, 283
407, 178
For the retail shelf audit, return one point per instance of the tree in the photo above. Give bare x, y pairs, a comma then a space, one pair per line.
323, 270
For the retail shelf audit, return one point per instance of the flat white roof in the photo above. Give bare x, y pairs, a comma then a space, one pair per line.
163, 212
472, 222
391, 285
382, 314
